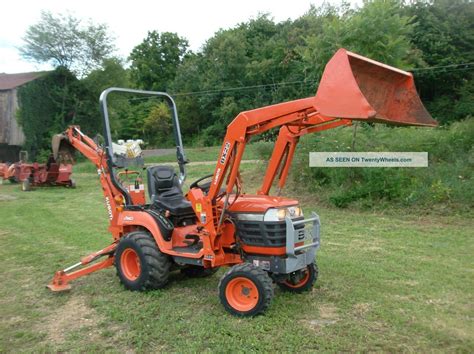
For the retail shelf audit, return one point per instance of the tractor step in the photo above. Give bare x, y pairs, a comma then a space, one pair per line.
190, 249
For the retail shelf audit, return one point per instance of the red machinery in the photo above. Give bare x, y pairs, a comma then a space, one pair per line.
43, 174
263, 238
4, 172
37, 174
7, 170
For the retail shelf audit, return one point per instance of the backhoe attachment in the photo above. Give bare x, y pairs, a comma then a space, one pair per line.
63, 151
355, 87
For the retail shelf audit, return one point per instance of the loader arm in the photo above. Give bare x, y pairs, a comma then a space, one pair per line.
285, 146
352, 88
294, 113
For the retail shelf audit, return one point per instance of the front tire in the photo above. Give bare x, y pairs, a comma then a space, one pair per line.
300, 281
140, 264
245, 290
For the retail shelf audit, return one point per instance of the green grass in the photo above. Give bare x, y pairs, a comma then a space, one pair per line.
388, 282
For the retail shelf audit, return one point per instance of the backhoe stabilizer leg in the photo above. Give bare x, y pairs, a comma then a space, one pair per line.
61, 279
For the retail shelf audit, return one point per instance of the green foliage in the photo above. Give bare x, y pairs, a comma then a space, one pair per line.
260, 54
112, 74
444, 36
47, 106
261, 62
156, 59
149, 120
447, 182
376, 30
58, 99
158, 126
276, 62
64, 41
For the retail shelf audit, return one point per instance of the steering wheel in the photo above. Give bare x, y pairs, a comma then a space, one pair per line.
202, 186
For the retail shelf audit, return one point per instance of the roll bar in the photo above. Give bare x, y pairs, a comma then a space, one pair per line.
180, 155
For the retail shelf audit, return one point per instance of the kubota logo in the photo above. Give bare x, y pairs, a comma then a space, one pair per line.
225, 152
109, 207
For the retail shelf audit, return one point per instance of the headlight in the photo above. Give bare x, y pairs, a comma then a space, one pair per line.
295, 212
281, 213
274, 214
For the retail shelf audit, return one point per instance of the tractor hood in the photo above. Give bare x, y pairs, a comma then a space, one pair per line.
250, 203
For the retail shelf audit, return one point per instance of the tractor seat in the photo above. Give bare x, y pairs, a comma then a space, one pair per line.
165, 192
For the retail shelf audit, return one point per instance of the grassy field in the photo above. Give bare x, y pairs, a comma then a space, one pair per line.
388, 282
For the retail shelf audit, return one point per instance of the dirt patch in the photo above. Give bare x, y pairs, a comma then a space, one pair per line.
76, 317
14, 321
327, 316
73, 316
328, 311
404, 298
6, 198
361, 309
452, 328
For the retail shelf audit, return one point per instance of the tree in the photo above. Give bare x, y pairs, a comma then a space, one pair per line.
63, 40
47, 106
156, 59
376, 30
444, 34
159, 126
112, 74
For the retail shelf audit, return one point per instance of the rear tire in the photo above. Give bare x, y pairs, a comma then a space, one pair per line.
198, 272
245, 290
300, 281
140, 264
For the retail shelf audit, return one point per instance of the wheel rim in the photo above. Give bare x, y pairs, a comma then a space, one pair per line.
298, 284
242, 294
130, 262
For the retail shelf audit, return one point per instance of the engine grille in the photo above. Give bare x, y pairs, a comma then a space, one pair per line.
266, 234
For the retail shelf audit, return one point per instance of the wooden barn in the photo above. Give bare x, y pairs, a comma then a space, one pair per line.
11, 134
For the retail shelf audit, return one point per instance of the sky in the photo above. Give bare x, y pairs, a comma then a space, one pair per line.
129, 21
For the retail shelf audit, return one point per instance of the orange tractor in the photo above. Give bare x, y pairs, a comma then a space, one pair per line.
264, 239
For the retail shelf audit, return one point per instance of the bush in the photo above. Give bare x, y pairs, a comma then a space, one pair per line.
446, 183
263, 149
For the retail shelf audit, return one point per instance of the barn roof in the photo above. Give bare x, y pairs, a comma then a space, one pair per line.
10, 81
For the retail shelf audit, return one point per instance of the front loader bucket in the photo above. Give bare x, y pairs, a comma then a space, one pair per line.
63, 151
355, 87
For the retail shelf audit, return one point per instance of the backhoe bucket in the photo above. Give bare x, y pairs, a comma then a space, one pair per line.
63, 151
355, 87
